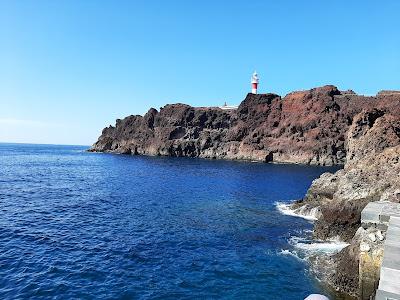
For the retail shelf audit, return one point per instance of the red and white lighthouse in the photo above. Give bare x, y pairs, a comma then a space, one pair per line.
254, 83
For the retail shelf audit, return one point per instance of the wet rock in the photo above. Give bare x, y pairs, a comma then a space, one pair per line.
346, 264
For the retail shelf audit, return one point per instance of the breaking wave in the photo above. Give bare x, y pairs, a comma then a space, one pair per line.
310, 246
304, 212
303, 244
293, 253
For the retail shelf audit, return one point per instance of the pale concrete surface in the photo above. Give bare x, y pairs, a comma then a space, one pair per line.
379, 213
389, 283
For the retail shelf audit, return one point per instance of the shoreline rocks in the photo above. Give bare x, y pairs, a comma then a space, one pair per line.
371, 173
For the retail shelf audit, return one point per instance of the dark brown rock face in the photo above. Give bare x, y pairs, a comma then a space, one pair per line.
371, 173
345, 276
304, 127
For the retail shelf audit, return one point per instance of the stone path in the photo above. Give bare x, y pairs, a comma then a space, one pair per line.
386, 215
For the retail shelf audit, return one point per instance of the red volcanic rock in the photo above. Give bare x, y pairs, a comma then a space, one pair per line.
388, 92
306, 127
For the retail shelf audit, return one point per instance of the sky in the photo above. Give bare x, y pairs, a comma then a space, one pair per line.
70, 68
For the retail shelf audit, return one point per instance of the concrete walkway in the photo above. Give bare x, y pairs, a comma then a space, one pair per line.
389, 283
386, 215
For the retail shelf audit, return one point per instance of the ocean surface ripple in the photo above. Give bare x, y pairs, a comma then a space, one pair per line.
86, 225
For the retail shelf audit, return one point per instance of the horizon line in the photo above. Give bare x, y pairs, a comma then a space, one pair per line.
44, 144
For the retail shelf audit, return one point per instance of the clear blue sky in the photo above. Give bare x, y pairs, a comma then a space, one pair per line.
70, 68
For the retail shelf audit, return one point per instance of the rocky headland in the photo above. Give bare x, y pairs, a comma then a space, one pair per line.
371, 173
307, 127
321, 126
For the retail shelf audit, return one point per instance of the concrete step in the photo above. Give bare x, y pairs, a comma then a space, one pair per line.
390, 280
391, 257
383, 295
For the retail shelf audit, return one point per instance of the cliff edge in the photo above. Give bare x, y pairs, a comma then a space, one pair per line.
307, 127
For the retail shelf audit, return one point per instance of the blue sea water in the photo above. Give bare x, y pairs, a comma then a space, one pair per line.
78, 225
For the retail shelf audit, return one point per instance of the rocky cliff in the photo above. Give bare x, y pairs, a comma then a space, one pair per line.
371, 173
306, 127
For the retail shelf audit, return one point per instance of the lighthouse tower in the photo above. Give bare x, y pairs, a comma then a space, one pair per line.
254, 83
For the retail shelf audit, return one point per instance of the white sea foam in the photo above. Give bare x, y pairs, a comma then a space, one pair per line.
317, 246
302, 212
304, 246
290, 253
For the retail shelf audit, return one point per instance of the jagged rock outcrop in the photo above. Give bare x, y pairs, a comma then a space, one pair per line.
306, 127
371, 173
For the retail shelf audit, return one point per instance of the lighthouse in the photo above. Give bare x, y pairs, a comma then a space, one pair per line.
254, 83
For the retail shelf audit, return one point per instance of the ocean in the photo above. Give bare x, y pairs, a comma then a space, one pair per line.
79, 225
